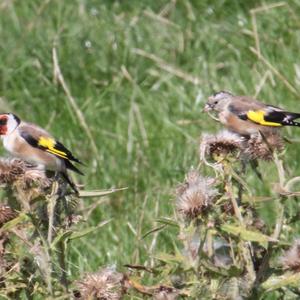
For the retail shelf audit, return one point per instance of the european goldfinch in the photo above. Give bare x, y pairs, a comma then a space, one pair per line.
245, 115
35, 145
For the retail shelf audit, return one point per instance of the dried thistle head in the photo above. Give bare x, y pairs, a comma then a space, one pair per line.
4, 239
220, 145
195, 195
35, 177
6, 214
165, 293
27, 183
11, 170
263, 147
4, 263
31, 184
107, 284
291, 258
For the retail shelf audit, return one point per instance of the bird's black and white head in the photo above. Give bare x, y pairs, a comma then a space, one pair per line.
8, 123
218, 101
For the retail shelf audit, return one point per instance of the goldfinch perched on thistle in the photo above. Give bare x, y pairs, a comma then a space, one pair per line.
35, 145
245, 115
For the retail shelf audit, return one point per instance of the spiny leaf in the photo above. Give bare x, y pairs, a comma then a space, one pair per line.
276, 282
79, 234
61, 237
167, 221
231, 271
138, 286
248, 235
99, 193
154, 230
71, 235
169, 258
258, 199
14, 222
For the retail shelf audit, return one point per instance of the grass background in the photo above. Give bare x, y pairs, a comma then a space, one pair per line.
140, 72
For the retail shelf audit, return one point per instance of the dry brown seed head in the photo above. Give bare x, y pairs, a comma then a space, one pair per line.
195, 195
291, 258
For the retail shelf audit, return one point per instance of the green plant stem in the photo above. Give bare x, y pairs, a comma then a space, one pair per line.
246, 248
61, 248
278, 226
51, 206
266, 259
45, 265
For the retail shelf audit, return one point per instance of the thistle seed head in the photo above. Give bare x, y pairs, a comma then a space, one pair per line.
6, 214
220, 144
11, 170
165, 293
263, 147
107, 284
291, 258
195, 195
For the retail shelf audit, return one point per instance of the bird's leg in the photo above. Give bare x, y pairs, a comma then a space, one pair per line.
63, 190
70, 182
56, 176
62, 185
254, 166
240, 186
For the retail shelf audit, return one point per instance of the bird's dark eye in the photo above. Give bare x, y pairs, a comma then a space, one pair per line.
215, 102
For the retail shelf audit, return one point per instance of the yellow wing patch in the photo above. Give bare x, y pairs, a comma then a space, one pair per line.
49, 144
258, 117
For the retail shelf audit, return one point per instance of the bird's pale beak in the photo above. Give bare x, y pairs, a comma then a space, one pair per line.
207, 107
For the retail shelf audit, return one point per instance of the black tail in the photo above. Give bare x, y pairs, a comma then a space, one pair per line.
59, 146
70, 166
289, 118
291, 123
69, 181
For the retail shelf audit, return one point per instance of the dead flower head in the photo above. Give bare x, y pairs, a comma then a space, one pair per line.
165, 293
6, 214
11, 170
263, 147
5, 265
291, 258
31, 184
195, 195
107, 284
220, 144
22, 178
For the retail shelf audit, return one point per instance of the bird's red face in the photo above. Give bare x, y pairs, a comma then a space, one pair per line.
3, 124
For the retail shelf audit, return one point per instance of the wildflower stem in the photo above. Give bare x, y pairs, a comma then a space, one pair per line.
51, 206
209, 241
234, 202
265, 262
62, 263
280, 170
279, 220
245, 247
45, 265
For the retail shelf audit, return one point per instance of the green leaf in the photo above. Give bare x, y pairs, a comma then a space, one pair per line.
14, 222
79, 234
232, 271
61, 237
169, 258
258, 199
248, 235
287, 279
167, 221
154, 230
71, 235
99, 193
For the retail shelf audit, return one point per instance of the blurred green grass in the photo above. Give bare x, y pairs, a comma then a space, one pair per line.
140, 72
